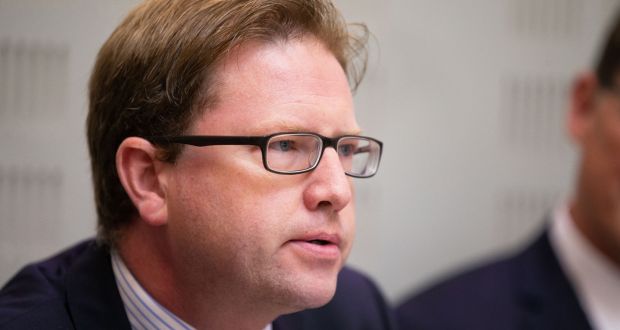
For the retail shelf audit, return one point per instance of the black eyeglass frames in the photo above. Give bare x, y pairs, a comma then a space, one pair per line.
297, 152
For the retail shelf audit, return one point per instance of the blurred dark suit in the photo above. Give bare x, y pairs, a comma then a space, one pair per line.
528, 290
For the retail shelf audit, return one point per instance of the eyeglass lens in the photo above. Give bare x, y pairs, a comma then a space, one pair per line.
291, 153
359, 156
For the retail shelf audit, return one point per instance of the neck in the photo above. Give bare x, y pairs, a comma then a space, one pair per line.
201, 300
600, 238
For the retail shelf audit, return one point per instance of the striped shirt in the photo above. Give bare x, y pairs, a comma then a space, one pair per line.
142, 310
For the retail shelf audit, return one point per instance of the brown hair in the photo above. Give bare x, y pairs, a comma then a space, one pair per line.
152, 76
608, 64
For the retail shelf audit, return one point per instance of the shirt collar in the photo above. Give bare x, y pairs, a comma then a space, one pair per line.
142, 310
595, 278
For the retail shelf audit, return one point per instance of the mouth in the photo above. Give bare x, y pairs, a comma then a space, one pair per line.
321, 246
320, 239
319, 242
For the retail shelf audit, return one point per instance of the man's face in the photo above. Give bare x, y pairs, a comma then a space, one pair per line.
278, 239
598, 194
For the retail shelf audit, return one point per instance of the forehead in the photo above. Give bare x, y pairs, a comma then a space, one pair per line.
288, 85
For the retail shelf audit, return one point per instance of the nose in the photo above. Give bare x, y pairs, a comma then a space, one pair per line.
330, 187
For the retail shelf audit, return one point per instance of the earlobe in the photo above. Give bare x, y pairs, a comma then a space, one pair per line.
139, 172
582, 105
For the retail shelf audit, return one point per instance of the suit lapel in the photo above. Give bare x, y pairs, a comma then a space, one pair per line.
545, 295
92, 296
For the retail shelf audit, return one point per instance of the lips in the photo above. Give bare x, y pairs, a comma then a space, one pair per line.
320, 245
321, 239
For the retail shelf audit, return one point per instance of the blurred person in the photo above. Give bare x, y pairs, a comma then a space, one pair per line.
223, 143
569, 276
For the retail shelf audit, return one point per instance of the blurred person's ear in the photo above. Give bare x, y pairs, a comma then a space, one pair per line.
582, 106
139, 171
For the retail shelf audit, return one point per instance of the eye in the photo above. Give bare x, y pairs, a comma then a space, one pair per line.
282, 145
346, 149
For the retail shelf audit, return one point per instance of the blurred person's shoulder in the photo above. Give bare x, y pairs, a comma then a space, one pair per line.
471, 296
35, 297
523, 290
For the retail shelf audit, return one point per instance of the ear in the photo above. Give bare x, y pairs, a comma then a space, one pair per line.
140, 174
582, 106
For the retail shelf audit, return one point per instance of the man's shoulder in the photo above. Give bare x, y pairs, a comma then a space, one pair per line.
484, 284
35, 296
488, 295
357, 304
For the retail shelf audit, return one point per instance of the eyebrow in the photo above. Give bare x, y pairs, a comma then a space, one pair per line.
284, 126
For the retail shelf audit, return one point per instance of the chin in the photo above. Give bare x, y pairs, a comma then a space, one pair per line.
319, 297
310, 291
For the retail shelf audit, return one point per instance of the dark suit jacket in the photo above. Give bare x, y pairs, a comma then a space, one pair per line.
524, 291
76, 290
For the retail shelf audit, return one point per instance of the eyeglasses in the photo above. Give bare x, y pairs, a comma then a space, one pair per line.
298, 152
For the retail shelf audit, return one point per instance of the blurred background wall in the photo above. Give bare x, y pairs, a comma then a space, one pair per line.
468, 96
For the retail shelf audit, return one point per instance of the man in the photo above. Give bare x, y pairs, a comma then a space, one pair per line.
223, 141
569, 277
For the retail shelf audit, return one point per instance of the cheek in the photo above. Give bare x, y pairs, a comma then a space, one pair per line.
239, 208
347, 222
601, 176
608, 160
606, 140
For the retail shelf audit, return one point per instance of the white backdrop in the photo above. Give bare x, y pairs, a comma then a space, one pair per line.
468, 97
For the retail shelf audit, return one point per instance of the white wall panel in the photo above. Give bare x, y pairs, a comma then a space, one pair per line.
468, 96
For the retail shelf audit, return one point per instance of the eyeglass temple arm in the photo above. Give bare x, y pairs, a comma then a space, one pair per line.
201, 141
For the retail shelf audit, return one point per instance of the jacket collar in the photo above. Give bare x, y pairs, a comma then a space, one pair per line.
547, 297
92, 295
